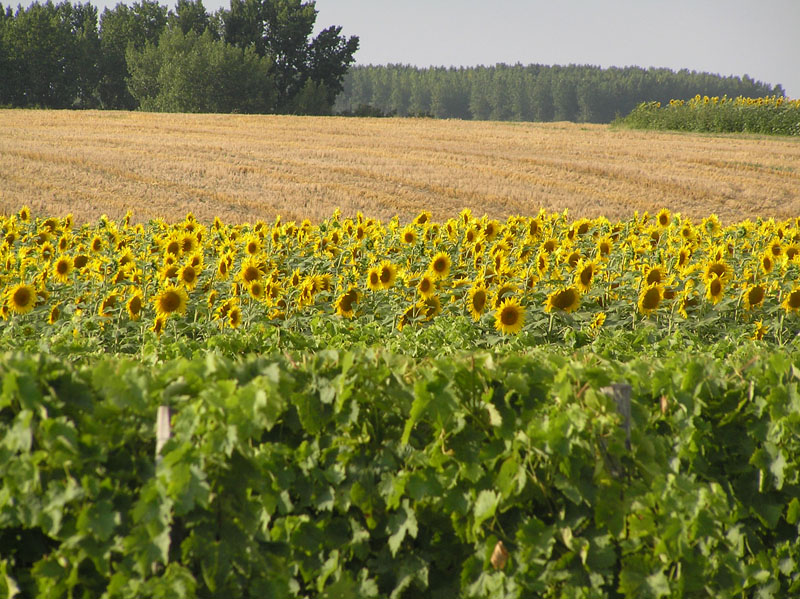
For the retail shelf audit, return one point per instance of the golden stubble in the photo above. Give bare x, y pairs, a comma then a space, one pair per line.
245, 168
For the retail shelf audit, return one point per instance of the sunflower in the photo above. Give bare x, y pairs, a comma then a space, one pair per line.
158, 325
714, 289
256, 289
684, 255
767, 262
55, 312
251, 270
188, 243
235, 317
409, 235
759, 331
509, 316
252, 245
134, 306
426, 285
717, 269
169, 271
654, 275
224, 266
791, 251
187, 276
663, 218
584, 275
374, 278
792, 301
573, 258
409, 315
171, 300
542, 263
422, 218
96, 245
432, 306
387, 274
598, 320
503, 291
21, 298
549, 246
440, 265
753, 297
491, 229
345, 303
604, 247
62, 268
650, 298
478, 298
108, 303
80, 261
566, 299
211, 300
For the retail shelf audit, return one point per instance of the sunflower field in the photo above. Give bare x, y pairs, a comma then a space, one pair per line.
386, 409
770, 115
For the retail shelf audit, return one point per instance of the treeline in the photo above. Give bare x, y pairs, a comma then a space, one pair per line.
256, 56
528, 93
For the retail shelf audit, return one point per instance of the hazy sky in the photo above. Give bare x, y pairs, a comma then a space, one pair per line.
729, 37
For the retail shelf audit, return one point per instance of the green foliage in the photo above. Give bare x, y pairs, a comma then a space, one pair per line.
370, 474
195, 73
56, 56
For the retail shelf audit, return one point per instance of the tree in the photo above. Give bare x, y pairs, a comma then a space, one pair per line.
190, 15
120, 28
196, 73
48, 55
280, 30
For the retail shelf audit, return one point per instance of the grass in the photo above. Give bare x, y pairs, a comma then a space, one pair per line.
244, 168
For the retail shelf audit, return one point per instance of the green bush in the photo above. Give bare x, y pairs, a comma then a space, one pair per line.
369, 474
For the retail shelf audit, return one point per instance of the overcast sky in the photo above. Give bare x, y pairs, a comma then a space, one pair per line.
728, 37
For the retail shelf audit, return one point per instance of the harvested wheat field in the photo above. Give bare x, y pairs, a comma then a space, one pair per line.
244, 168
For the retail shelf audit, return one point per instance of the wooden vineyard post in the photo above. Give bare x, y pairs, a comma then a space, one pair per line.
163, 432
621, 392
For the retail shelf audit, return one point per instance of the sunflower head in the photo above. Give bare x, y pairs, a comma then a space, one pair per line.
387, 273
715, 288
792, 301
345, 304
753, 296
374, 278
21, 298
566, 299
171, 300
440, 265
62, 268
187, 276
135, 305
584, 275
235, 317
509, 317
158, 325
478, 298
650, 298
426, 285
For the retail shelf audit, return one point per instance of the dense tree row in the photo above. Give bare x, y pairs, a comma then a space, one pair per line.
256, 56
528, 93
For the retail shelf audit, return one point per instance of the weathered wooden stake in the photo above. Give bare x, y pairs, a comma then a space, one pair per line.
621, 392
163, 432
